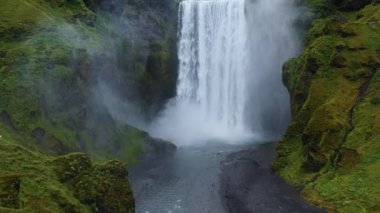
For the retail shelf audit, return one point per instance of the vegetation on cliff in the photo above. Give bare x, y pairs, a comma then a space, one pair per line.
332, 145
66, 67
34, 182
61, 61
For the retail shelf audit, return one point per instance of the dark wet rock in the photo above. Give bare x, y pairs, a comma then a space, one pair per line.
6, 118
314, 161
157, 148
10, 190
107, 5
345, 31
52, 145
312, 65
248, 185
338, 61
350, 4
38, 133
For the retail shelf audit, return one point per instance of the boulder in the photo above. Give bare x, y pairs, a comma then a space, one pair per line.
9, 190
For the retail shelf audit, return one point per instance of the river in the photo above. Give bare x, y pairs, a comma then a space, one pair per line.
214, 178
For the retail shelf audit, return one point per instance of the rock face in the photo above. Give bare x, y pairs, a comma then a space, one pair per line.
69, 69
157, 149
331, 146
74, 73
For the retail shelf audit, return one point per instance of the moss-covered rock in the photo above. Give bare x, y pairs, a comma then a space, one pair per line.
331, 145
52, 56
10, 190
33, 182
54, 53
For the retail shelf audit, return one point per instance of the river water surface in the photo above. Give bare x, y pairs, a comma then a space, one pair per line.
214, 178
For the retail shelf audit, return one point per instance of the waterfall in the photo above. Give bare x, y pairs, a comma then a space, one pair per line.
213, 57
224, 68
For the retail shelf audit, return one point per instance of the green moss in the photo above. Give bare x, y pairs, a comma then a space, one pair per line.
288, 156
331, 146
46, 55
18, 18
132, 146
320, 7
375, 101
31, 64
44, 77
33, 182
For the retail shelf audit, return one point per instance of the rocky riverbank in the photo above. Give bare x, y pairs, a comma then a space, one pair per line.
248, 184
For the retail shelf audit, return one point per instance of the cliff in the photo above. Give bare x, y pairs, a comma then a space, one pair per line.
75, 75
332, 147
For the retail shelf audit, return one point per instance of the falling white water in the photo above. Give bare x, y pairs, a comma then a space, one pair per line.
214, 89
213, 56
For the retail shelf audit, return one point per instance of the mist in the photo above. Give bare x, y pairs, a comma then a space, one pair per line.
230, 75
111, 88
273, 39
92, 73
